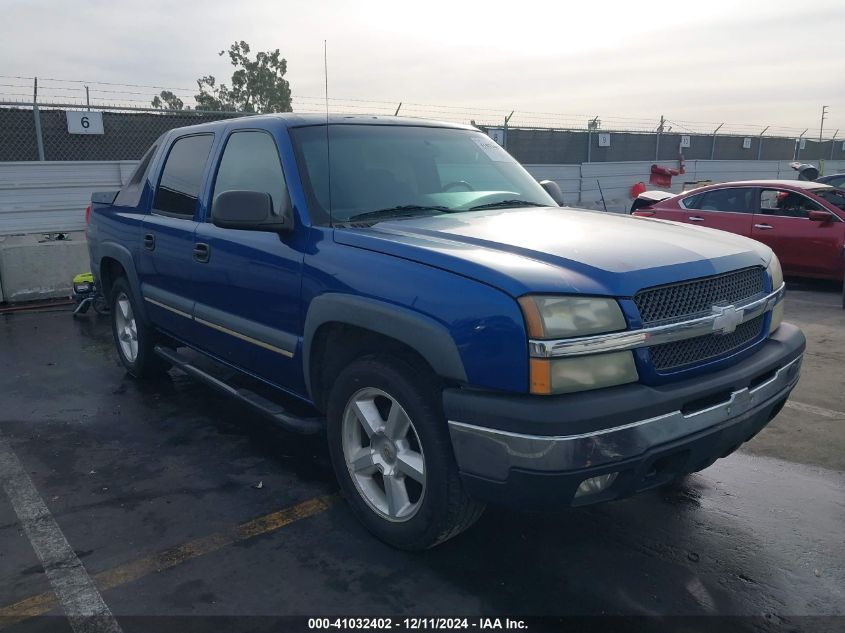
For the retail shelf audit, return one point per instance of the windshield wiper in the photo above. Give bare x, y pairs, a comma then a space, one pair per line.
398, 211
508, 203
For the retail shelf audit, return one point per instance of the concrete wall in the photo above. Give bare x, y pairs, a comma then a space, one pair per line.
580, 183
34, 268
51, 196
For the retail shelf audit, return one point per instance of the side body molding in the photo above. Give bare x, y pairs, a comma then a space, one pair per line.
428, 337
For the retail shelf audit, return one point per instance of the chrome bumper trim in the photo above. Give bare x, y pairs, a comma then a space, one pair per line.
492, 453
633, 339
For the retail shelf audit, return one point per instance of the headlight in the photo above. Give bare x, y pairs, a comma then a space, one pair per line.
564, 317
553, 317
565, 375
776, 274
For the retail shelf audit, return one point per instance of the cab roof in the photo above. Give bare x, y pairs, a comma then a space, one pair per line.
293, 119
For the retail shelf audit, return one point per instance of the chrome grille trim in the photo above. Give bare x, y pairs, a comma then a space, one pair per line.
684, 300
645, 337
673, 356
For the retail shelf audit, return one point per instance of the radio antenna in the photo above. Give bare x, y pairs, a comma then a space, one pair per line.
328, 146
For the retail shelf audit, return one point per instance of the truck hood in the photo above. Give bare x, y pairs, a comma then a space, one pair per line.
560, 249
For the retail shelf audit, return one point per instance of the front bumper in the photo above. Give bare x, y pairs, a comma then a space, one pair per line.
649, 435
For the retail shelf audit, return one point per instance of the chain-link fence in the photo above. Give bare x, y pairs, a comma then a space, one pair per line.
29, 132
32, 132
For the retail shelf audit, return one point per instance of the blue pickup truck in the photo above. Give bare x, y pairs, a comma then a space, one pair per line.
409, 290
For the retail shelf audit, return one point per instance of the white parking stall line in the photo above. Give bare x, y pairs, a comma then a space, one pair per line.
809, 408
82, 603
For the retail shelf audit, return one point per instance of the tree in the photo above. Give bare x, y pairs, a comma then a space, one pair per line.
168, 100
257, 85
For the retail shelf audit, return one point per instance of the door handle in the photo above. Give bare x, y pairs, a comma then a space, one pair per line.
765, 227
150, 242
695, 218
202, 252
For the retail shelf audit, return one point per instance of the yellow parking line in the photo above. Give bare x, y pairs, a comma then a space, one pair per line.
159, 561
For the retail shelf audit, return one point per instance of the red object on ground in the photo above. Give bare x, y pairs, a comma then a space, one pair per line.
803, 222
638, 189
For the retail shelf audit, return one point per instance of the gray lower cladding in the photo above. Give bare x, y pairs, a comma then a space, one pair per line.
246, 330
491, 453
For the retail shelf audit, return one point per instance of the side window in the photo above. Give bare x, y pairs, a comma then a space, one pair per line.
251, 162
786, 203
693, 202
178, 189
732, 200
130, 194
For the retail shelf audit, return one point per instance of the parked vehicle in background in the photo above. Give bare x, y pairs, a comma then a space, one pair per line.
802, 222
834, 180
422, 300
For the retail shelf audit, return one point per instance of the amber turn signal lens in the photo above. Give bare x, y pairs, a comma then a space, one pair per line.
533, 320
541, 376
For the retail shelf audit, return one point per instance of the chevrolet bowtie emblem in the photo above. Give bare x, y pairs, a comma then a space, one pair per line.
727, 318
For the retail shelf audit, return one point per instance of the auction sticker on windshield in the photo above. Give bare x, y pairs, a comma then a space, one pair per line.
492, 149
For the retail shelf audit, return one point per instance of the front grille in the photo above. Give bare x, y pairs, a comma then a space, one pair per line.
702, 348
688, 299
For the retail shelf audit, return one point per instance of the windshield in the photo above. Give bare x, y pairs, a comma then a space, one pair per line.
835, 197
390, 171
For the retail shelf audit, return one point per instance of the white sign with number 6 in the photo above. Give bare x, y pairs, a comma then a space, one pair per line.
84, 122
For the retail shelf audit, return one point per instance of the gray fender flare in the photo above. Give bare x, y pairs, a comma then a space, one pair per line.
124, 257
425, 335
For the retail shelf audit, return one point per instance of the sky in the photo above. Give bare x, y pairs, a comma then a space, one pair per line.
752, 62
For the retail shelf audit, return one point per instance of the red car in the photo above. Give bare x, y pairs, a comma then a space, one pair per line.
803, 222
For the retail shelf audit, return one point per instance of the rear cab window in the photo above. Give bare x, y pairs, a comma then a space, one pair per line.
179, 186
130, 194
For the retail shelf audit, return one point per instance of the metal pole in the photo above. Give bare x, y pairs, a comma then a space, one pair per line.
760, 143
591, 125
821, 128
713, 147
833, 143
657, 143
797, 153
505, 131
37, 116
88, 99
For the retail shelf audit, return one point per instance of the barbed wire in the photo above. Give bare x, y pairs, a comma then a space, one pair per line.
58, 91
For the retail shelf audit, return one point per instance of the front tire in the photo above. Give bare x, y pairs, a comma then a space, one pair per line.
392, 455
134, 339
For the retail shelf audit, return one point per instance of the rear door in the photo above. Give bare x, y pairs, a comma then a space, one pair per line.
167, 236
803, 247
727, 209
247, 293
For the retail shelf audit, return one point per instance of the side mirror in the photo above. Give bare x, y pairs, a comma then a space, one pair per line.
820, 216
249, 211
553, 190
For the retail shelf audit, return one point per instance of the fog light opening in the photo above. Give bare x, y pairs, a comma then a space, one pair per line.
595, 485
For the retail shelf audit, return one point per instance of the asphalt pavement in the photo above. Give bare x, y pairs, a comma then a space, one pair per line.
177, 502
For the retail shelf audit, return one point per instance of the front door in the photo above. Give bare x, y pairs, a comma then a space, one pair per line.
248, 294
804, 247
167, 237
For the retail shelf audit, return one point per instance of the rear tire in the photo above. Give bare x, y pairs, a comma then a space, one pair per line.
391, 452
135, 340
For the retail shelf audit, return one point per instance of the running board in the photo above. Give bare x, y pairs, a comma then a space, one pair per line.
291, 422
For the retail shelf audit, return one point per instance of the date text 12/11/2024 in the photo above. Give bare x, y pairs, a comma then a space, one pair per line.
417, 624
